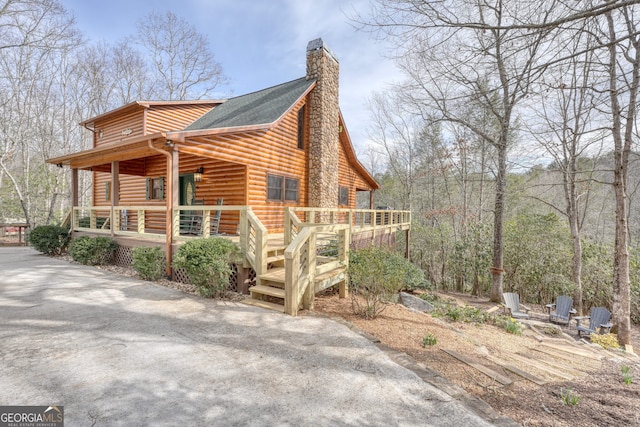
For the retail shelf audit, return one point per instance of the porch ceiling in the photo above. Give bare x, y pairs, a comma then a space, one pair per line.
134, 148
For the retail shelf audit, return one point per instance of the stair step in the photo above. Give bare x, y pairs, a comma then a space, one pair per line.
264, 304
267, 290
274, 275
329, 274
275, 258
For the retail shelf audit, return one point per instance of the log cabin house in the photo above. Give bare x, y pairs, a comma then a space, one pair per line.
274, 170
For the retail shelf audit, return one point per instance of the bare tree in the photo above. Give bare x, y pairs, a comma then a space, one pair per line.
396, 136
131, 74
624, 80
180, 57
36, 37
571, 130
466, 50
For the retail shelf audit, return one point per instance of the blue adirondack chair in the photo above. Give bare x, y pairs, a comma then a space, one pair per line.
563, 310
598, 321
512, 304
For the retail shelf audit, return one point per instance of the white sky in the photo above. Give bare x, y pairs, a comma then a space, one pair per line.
261, 43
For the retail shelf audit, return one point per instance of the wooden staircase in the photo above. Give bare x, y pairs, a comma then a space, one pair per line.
269, 291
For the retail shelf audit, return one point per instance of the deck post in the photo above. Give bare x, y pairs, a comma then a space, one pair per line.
407, 253
243, 231
291, 290
345, 237
287, 226
310, 292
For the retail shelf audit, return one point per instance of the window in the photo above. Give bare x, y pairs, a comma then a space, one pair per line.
274, 187
290, 190
107, 191
155, 188
343, 196
301, 128
282, 189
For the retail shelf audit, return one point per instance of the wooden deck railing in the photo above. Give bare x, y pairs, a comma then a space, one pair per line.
315, 250
359, 220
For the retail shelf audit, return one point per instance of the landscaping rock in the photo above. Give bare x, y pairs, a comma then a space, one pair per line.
415, 303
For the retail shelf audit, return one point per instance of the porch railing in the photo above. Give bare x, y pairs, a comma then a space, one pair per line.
374, 221
187, 222
315, 250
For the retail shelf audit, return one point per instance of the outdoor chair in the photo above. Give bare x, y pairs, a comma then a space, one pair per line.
512, 304
195, 219
563, 310
215, 221
598, 321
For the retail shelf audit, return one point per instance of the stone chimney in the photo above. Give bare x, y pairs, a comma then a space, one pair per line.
324, 119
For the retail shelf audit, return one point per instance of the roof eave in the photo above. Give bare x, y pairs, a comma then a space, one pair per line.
146, 104
181, 136
67, 159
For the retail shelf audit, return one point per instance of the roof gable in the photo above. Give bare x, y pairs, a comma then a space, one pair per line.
257, 108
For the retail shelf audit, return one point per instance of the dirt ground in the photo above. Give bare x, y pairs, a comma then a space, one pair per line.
580, 369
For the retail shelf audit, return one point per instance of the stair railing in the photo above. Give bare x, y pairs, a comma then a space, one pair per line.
301, 263
292, 225
253, 241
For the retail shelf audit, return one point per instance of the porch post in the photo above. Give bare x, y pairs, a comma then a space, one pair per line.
115, 194
74, 187
371, 199
74, 196
172, 189
407, 253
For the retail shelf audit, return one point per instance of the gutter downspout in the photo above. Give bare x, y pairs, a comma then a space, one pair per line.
169, 216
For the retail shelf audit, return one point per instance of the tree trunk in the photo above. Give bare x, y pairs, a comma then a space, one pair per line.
622, 139
498, 222
577, 268
621, 282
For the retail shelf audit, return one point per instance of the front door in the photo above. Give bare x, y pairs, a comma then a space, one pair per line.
187, 196
187, 189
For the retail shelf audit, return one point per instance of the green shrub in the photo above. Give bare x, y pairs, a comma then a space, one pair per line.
50, 239
606, 341
375, 275
149, 263
512, 326
206, 262
429, 340
569, 397
627, 378
92, 250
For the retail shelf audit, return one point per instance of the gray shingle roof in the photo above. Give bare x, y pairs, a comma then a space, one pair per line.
256, 108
